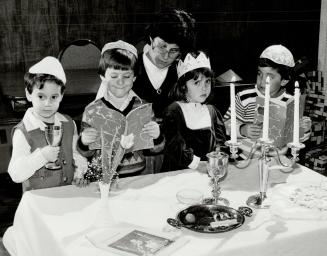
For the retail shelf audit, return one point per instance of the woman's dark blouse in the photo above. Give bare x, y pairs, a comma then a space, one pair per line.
183, 143
144, 89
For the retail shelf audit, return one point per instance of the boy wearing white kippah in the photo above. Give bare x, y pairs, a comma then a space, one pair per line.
116, 69
192, 128
44, 87
277, 63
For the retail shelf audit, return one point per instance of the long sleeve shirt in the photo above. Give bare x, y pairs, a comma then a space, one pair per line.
24, 163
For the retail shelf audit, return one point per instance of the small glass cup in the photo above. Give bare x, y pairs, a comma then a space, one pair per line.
189, 196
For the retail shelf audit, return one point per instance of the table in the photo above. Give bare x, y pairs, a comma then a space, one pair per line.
54, 221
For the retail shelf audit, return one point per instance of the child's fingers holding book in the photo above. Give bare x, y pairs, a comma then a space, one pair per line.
152, 128
89, 135
252, 131
305, 123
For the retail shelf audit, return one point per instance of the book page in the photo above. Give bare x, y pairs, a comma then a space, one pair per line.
281, 119
110, 121
136, 119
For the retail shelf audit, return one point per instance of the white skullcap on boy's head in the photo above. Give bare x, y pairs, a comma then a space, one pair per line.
119, 45
51, 66
279, 54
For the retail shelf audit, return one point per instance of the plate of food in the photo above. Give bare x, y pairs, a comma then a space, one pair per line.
300, 200
209, 218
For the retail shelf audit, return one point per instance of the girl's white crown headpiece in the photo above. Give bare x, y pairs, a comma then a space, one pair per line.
191, 63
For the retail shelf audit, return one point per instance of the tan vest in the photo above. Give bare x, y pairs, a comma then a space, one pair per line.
44, 178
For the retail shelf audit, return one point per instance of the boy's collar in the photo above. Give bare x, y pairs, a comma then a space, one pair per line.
131, 95
31, 122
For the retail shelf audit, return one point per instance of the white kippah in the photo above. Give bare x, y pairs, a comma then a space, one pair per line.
279, 54
119, 45
51, 66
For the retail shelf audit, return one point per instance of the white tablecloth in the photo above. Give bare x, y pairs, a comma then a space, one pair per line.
55, 221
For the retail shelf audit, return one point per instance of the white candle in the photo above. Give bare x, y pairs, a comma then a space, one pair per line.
233, 113
266, 111
296, 136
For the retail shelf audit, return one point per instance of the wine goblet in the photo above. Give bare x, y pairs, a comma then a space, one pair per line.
53, 136
217, 165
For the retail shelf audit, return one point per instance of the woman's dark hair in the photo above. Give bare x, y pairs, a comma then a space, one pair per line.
38, 80
284, 71
178, 92
174, 26
118, 59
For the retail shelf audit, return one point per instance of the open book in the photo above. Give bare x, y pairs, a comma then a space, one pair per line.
130, 241
114, 124
281, 118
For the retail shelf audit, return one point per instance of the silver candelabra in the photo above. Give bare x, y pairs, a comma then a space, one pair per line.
258, 200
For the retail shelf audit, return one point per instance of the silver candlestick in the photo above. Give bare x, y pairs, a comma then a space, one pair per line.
258, 200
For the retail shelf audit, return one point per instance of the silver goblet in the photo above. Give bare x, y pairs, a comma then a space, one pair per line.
217, 166
53, 136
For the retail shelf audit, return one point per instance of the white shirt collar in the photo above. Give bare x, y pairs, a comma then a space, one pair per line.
130, 96
31, 122
196, 115
156, 75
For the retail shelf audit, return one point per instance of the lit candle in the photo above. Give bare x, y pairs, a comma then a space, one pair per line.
266, 111
233, 112
296, 114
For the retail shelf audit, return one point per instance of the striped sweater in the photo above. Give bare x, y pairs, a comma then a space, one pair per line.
245, 105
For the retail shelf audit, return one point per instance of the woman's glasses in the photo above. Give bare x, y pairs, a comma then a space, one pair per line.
163, 48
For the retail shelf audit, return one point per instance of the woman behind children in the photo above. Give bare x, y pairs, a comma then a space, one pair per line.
116, 69
45, 85
277, 62
191, 127
171, 34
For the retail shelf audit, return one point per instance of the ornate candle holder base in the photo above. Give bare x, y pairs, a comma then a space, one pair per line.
233, 148
258, 201
267, 143
295, 150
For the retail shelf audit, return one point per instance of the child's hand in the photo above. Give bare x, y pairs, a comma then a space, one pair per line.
127, 141
50, 153
305, 123
80, 182
251, 131
152, 128
89, 135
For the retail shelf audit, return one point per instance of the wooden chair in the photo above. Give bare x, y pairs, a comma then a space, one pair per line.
80, 54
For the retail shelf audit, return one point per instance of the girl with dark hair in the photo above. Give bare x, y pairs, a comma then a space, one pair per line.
191, 127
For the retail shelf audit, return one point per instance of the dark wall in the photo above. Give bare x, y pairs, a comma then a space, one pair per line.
234, 32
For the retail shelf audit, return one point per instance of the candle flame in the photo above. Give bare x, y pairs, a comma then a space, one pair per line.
296, 84
268, 80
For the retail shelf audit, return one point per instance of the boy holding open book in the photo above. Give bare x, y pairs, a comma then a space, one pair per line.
116, 69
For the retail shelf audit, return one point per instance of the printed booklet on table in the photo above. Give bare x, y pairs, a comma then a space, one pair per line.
135, 241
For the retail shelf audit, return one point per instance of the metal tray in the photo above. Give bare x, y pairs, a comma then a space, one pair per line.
208, 218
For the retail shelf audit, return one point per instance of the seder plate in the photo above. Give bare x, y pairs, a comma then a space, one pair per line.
208, 218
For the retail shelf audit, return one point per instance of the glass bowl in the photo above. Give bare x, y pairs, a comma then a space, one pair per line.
189, 196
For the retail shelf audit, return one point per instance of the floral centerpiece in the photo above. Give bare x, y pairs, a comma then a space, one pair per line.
103, 167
